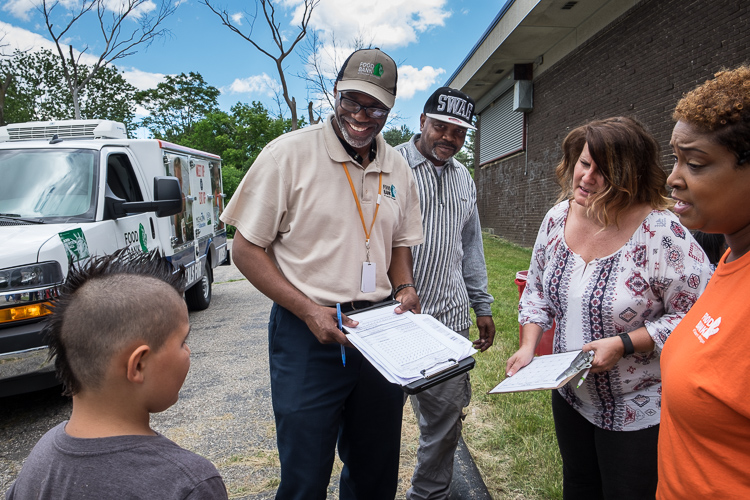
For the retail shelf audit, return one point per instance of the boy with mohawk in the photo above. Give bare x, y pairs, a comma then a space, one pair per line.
118, 332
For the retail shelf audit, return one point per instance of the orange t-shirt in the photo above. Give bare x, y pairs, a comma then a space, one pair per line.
704, 437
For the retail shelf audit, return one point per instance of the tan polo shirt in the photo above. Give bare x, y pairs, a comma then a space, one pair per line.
296, 202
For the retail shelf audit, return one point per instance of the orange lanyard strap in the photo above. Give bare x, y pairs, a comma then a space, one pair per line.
359, 207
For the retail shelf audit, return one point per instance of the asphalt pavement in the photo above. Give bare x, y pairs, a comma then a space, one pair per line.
224, 411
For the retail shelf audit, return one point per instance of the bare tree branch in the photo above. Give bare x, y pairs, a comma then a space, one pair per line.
119, 41
311, 114
281, 51
3, 45
323, 63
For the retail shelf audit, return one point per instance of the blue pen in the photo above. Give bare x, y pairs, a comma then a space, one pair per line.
338, 317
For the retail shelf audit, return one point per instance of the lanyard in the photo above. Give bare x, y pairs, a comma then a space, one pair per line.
359, 207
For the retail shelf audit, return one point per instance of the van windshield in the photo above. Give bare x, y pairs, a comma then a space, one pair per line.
55, 185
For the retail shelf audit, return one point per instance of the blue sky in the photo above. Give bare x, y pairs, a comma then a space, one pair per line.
428, 39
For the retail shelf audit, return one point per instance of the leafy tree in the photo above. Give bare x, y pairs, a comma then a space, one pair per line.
123, 24
177, 104
466, 155
109, 96
38, 91
237, 137
231, 178
278, 34
15, 104
254, 129
395, 136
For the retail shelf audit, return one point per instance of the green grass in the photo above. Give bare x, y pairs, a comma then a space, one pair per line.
511, 436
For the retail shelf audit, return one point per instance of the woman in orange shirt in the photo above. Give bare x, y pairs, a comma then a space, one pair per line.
704, 439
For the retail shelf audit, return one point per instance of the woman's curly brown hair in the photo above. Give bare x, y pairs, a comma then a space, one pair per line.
721, 106
627, 156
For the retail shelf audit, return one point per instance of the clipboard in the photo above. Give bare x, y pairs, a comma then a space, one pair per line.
432, 376
379, 305
420, 385
547, 372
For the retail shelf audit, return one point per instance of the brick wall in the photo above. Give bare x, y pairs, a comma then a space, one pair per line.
638, 66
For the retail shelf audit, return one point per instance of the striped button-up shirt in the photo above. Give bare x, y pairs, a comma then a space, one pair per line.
449, 269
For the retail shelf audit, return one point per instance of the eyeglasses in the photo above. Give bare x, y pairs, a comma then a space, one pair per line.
353, 106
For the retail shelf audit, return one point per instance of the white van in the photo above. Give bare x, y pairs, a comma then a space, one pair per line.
78, 188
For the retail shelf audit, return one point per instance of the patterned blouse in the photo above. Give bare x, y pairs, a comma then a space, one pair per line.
651, 281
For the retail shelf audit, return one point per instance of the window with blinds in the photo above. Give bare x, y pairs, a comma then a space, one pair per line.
501, 129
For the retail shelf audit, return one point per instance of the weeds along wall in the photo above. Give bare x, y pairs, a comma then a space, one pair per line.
638, 66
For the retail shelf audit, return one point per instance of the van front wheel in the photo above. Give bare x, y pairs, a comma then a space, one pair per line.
198, 296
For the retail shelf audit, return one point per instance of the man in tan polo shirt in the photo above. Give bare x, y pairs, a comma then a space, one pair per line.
328, 214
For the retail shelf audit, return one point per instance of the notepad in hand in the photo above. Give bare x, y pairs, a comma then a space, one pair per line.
543, 373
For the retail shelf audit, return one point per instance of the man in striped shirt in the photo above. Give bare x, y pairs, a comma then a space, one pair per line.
450, 275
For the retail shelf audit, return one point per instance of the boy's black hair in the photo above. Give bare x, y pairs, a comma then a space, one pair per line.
105, 305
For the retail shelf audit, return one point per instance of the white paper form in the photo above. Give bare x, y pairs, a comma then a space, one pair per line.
400, 346
540, 374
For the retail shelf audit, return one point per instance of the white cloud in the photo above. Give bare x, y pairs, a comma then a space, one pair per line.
412, 80
237, 18
21, 39
385, 23
262, 84
22, 9
141, 79
388, 24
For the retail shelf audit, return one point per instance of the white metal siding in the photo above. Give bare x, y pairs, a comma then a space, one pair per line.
501, 129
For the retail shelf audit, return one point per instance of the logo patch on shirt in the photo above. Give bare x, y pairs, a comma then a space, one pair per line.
389, 191
706, 327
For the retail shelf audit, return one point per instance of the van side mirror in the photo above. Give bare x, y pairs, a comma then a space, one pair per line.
167, 200
168, 194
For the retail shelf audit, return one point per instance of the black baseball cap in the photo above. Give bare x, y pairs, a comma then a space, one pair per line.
451, 106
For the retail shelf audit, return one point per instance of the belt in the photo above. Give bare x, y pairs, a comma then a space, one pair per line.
352, 305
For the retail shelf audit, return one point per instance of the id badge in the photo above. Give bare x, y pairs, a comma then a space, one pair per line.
368, 277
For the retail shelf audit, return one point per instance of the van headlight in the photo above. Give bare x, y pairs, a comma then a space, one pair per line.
27, 291
39, 275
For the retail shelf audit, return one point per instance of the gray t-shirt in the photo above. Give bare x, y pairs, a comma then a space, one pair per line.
61, 466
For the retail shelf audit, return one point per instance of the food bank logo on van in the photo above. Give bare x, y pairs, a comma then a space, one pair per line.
706, 327
140, 237
75, 244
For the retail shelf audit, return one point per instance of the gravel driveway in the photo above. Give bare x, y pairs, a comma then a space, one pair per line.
224, 412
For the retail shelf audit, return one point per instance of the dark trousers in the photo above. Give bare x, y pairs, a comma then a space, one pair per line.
602, 464
318, 402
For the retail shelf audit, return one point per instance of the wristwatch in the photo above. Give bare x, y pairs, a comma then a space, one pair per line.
629, 349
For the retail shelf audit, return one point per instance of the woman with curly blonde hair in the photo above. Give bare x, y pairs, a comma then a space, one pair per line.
617, 272
704, 442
